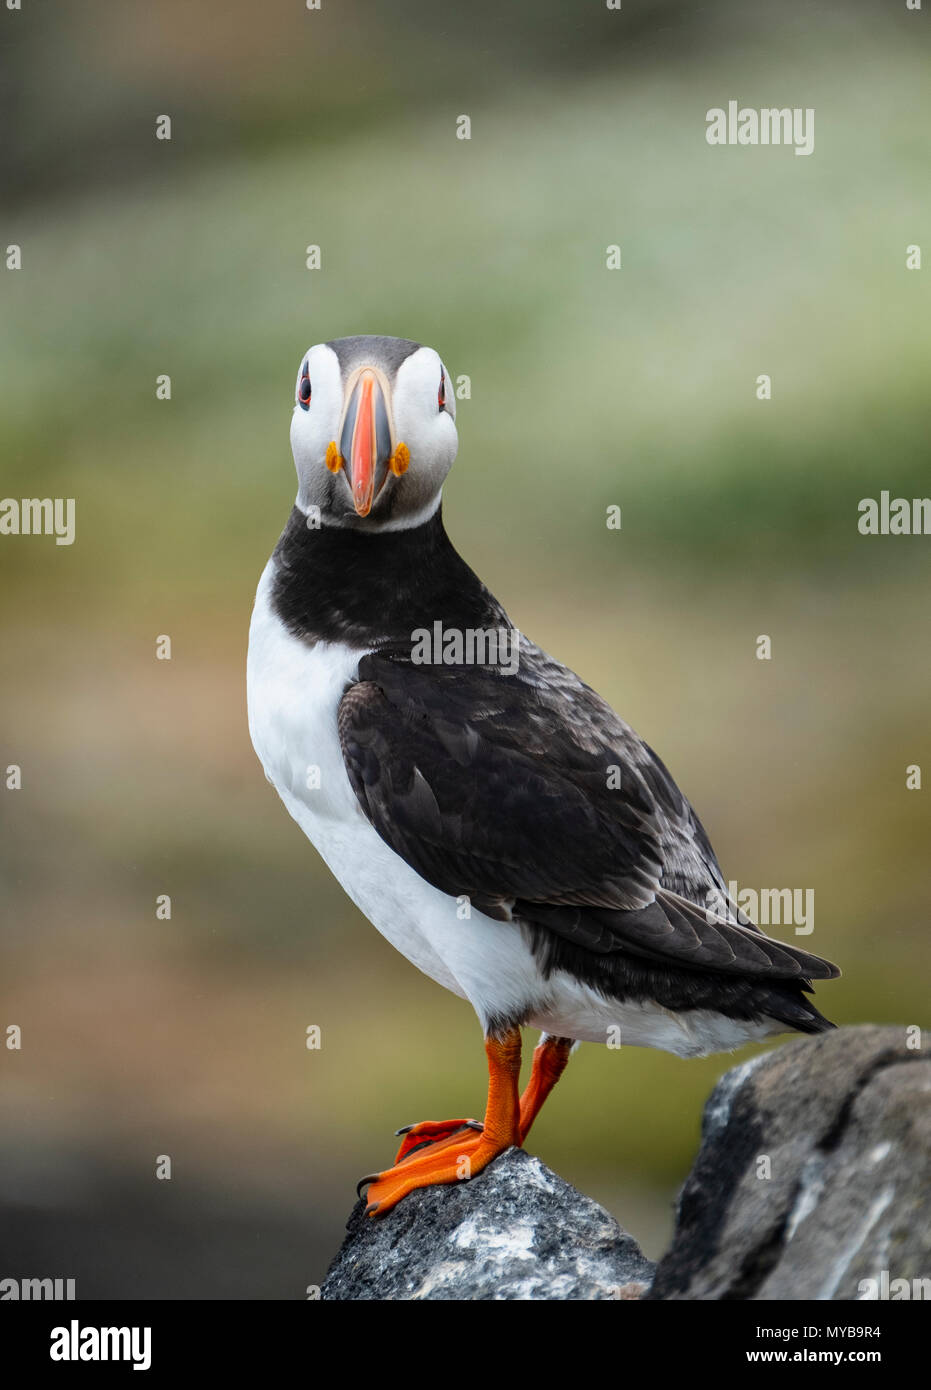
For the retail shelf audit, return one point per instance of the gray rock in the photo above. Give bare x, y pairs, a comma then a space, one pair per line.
516, 1231
842, 1124
811, 1179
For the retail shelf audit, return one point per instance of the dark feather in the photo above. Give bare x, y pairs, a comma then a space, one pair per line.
497, 787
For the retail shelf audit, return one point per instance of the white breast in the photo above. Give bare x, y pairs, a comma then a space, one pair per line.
293, 691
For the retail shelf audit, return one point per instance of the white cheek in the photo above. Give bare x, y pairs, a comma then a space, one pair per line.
308, 450
433, 439
313, 429
448, 442
301, 442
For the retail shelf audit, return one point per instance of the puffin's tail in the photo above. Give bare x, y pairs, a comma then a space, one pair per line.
791, 1006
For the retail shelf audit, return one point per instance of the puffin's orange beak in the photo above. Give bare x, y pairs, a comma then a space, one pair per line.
365, 442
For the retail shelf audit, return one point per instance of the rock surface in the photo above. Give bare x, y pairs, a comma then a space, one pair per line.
516, 1231
842, 1125
812, 1177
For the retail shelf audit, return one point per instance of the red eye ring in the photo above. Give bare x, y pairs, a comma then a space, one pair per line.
303, 390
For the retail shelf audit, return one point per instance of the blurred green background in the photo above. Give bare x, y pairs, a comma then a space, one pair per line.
589, 387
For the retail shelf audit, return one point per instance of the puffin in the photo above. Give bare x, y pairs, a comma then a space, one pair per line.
486, 810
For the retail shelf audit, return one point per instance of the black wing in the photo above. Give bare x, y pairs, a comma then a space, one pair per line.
527, 794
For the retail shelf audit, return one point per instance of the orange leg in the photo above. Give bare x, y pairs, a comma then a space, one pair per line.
460, 1156
450, 1151
549, 1062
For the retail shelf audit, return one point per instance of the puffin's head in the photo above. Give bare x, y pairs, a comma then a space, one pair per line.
373, 432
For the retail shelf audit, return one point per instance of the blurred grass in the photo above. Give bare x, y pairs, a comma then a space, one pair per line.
589, 388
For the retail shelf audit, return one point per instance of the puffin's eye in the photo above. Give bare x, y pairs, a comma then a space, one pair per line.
441, 394
303, 390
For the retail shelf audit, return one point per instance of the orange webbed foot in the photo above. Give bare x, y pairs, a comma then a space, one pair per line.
456, 1150
430, 1132
438, 1152
456, 1158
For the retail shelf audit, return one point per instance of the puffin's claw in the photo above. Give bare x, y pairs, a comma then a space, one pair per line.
372, 1177
463, 1124
453, 1160
432, 1132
